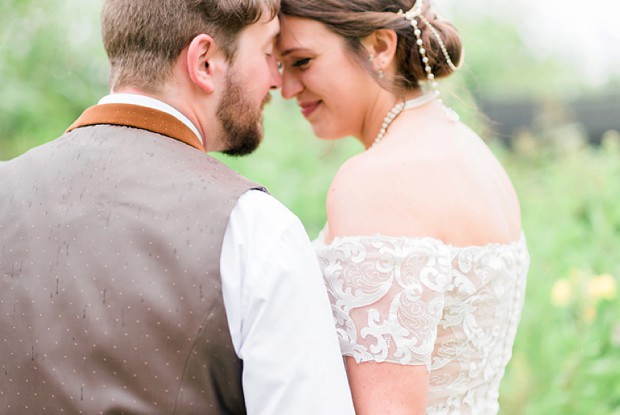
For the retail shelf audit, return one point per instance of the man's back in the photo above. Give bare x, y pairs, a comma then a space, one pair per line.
110, 292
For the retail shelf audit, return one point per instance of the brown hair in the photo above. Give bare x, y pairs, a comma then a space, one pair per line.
356, 19
144, 38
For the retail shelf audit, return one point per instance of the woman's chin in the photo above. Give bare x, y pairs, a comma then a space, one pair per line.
326, 134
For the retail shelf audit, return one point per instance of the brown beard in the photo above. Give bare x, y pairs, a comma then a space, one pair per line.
242, 122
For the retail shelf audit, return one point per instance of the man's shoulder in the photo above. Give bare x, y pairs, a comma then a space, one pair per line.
212, 168
259, 217
185, 163
262, 208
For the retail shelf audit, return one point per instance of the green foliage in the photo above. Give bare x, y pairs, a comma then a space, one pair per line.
567, 352
499, 64
49, 75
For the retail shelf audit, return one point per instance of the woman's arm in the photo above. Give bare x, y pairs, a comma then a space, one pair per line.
388, 388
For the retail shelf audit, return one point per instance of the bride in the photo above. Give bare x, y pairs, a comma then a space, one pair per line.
423, 254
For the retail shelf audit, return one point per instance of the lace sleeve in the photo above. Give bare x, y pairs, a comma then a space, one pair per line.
387, 296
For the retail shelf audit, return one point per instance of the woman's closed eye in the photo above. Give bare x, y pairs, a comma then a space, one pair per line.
300, 63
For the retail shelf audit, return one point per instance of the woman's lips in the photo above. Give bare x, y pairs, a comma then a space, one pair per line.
308, 108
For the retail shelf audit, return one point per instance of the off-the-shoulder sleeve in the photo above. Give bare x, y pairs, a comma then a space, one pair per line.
387, 295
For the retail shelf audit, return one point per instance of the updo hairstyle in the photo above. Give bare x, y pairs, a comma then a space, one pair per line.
354, 20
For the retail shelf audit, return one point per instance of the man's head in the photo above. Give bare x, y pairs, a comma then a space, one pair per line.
199, 56
144, 38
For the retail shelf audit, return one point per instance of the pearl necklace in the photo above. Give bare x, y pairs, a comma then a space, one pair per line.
400, 107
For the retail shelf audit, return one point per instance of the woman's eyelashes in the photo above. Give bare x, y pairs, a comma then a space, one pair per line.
300, 63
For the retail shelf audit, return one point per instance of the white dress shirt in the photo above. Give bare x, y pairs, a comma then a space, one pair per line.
276, 305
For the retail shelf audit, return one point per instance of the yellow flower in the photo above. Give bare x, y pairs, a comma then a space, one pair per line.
561, 293
589, 313
602, 287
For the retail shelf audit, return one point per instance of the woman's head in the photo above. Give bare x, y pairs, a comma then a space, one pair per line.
356, 20
332, 89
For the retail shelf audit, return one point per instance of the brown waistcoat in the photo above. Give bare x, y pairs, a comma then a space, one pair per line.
110, 288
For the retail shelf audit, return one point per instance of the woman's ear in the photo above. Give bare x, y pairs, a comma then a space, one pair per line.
200, 54
381, 45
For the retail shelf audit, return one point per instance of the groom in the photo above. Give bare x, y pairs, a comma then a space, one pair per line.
138, 275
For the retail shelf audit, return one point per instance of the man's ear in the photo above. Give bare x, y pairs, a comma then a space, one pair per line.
381, 45
200, 65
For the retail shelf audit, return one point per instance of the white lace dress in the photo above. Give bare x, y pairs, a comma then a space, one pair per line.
419, 301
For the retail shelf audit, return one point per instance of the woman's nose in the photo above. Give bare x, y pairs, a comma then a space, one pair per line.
291, 85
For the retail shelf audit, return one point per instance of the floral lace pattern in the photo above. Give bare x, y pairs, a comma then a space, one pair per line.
419, 301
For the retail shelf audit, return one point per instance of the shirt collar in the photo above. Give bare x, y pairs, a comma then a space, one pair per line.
144, 101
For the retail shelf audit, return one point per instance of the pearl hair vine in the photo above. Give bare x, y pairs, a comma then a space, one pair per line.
412, 15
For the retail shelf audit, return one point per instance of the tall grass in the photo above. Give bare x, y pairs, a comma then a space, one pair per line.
567, 354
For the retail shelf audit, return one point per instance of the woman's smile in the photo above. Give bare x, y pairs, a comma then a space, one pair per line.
309, 107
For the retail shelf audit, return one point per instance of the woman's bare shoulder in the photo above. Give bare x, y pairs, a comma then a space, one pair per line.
442, 195
377, 195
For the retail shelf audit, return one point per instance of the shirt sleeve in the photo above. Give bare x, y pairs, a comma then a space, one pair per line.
279, 313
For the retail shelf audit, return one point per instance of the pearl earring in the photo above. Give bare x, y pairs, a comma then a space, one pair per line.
380, 73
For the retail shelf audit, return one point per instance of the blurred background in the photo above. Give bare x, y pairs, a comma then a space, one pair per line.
541, 83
